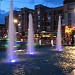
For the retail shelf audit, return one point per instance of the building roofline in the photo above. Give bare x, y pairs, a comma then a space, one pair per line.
68, 1
60, 7
40, 5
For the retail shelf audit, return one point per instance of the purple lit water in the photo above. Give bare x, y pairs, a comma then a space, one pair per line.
59, 45
30, 47
11, 34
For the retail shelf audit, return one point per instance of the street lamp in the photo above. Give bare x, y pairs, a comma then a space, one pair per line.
15, 21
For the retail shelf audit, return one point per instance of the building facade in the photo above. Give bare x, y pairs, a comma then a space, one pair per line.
24, 12
16, 20
43, 16
45, 19
69, 12
69, 17
2, 30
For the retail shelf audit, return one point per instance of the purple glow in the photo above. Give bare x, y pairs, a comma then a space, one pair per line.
30, 46
11, 34
12, 60
59, 46
31, 53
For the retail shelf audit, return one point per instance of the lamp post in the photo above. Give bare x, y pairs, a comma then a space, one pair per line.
15, 21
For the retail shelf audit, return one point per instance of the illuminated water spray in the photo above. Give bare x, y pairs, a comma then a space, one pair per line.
58, 45
11, 35
30, 47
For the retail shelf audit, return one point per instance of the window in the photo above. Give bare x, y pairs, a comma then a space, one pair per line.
38, 17
63, 22
42, 18
48, 27
69, 15
69, 22
71, 6
38, 25
38, 22
49, 17
38, 12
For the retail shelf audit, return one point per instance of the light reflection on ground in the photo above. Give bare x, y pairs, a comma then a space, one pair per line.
44, 63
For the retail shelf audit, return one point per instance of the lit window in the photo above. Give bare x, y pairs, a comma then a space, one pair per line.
49, 17
19, 15
38, 17
38, 25
43, 18
19, 24
38, 12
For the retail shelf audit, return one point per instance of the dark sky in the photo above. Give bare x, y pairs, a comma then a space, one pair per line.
4, 4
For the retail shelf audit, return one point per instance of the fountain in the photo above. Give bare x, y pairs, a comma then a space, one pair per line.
11, 35
58, 45
52, 42
30, 47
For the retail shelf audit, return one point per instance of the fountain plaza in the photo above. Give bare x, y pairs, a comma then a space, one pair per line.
41, 60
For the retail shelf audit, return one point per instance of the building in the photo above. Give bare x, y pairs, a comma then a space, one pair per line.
24, 14
69, 17
45, 19
43, 16
16, 20
56, 12
69, 12
2, 30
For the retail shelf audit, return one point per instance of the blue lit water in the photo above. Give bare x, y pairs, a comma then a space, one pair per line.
46, 62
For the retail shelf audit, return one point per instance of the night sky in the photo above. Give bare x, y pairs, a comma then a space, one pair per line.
29, 3
17, 4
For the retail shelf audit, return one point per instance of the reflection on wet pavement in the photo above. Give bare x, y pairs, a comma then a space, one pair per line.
45, 63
